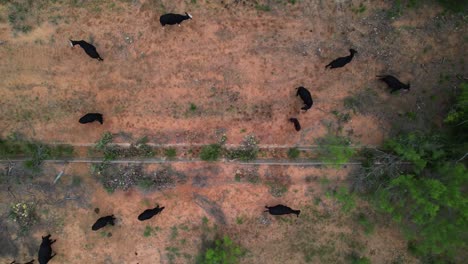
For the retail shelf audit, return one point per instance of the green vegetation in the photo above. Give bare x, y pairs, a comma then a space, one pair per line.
192, 107
24, 214
210, 152
148, 231
360, 9
247, 151
421, 184
170, 153
335, 150
104, 141
37, 152
294, 153
366, 224
222, 251
265, 8
345, 198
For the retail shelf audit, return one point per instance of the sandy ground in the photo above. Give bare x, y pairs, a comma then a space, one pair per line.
239, 66
67, 210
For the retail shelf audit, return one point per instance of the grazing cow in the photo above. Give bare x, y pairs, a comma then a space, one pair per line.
172, 19
394, 83
342, 61
149, 213
281, 210
91, 117
306, 97
88, 48
45, 250
297, 126
103, 221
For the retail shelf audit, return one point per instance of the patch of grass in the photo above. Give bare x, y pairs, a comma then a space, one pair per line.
354, 258
222, 250
148, 231
24, 214
277, 189
264, 8
170, 153
248, 150
345, 198
192, 107
335, 150
174, 232
102, 143
239, 220
342, 117
360, 9
76, 181
365, 223
294, 153
210, 152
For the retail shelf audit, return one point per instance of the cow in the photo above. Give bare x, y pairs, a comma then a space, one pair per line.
103, 221
281, 210
304, 94
88, 48
172, 19
342, 61
45, 250
149, 213
394, 83
297, 126
91, 117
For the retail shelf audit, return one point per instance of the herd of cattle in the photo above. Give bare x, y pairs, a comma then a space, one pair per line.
45, 250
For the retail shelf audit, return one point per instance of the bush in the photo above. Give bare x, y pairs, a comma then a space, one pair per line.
210, 152
248, 150
24, 215
335, 150
223, 251
293, 153
170, 153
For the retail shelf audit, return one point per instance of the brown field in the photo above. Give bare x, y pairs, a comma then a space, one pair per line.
238, 66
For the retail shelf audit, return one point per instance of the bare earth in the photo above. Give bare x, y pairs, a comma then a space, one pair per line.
239, 66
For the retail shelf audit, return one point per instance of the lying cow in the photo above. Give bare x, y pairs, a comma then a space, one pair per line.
297, 126
88, 48
304, 94
91, 117
45, 250
103, 221
393, 83
281, 210
172, 19
149, 213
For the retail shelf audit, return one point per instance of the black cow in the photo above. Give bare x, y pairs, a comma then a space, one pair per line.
88, 48
172, 19
306, 97
342, 61
394, 83
149, 213
91, 117
281, 210
103, 221
297, 126
45, 250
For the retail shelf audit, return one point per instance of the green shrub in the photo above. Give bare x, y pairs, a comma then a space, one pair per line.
103, 141
24, 214
335, 150
223, 251
293, 153
170, 153
210, 152
247, 152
